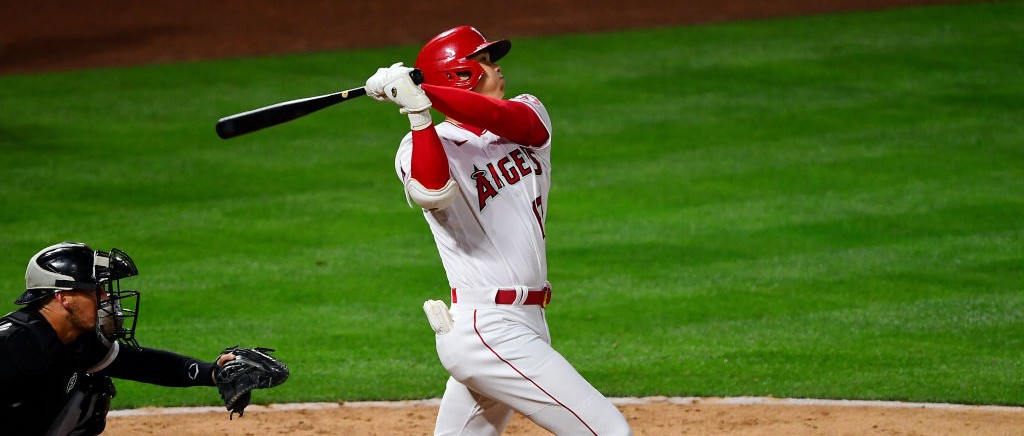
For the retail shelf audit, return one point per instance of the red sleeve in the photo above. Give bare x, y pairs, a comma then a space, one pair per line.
509, 119
429, 162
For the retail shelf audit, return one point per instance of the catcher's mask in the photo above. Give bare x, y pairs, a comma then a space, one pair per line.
444, 62
74, 266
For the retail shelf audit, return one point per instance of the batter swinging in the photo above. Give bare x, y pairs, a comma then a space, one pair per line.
482, 179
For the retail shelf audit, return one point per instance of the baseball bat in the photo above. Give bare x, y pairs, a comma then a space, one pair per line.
267, 116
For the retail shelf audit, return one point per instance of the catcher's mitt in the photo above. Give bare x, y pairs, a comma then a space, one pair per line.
252, 368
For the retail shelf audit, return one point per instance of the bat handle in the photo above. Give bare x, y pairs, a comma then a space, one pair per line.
416, 75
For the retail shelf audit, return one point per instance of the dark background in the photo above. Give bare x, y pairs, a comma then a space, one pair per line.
62, 35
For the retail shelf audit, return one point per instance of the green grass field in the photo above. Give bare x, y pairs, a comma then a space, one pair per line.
824, 207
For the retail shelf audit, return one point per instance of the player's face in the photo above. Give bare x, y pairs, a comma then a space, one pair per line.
81, 309
493, 82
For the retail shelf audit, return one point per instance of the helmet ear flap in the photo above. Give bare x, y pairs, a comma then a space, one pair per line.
466, 74
444, 62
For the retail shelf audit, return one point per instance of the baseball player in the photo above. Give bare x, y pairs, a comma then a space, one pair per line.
76, 331
482, 179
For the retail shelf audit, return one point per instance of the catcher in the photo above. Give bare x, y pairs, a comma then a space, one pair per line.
77, 330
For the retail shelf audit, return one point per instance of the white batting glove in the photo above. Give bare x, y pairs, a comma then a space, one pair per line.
375, 84
394, 84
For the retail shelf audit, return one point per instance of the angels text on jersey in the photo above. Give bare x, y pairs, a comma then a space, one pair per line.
506, 171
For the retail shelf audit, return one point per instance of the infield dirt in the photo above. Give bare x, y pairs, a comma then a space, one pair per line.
653, 418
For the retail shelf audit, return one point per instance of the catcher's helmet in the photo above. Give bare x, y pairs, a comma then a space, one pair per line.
443, 59
60, 267
74, 266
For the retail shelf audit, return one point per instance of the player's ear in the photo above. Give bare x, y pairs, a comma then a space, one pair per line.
62, 299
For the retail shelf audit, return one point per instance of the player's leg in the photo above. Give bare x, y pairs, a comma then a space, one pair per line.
464, 412
516, 365
565, 403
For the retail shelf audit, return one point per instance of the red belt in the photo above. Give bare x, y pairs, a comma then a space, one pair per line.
539, 297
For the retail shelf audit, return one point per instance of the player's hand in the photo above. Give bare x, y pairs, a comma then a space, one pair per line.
375, 84
224, 358
394, 83
219, 362
248, 369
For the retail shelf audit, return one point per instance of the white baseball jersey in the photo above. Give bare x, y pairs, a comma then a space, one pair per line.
493, 235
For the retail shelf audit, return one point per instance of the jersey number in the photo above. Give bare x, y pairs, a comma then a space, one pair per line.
538, 211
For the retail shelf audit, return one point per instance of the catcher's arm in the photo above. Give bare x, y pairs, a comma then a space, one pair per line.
161, 367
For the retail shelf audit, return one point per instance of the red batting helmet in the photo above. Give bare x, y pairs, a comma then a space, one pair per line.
443, 59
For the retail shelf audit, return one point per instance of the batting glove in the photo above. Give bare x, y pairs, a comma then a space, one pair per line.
375, 84
394, 84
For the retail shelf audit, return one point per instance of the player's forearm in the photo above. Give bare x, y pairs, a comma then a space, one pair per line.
429, 183
429, 161
160, 367
510, 120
